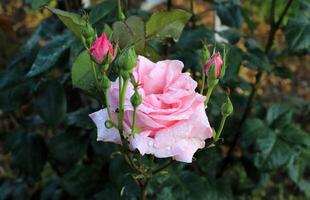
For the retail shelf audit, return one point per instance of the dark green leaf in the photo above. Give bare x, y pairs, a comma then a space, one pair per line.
257, 60
272, 152
51, 102
293, 134
73, 21
251, 129
234, 59
68, 148
297, 33
166, 24
102, 10
82, 181
230, 13
11, 98
50, 53
192, 39
81, 73
232, 35
278, 115
28, 152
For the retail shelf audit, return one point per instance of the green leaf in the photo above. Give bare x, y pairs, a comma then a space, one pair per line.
250, 131
297, 33
232, 35
293, 134
35, 4
82, 181
68, 148
28, 152
167, 24
234, 59
122, 34
130, 32
73, 21
81, 73
50, 53
14, 96
100, 11
51, 102
192, 39
230, 13
272, 152
137, 27
257, 60
278, 115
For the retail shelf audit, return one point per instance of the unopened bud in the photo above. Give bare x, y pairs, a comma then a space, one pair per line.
227, 108
88, 35
136, 99
105, 82
127, 60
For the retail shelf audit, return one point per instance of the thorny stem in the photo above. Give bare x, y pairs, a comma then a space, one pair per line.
259, 77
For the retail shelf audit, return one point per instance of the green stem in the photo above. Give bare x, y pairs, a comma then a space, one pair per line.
203, 81
143, 186
134, 116
210, 90
120, 12
220, 129
96, 82
108, 105
121, 105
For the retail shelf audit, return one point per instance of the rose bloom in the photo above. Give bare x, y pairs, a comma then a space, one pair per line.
100, 48
171, 118
214, 58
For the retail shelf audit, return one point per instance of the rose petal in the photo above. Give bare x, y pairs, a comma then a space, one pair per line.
104, 134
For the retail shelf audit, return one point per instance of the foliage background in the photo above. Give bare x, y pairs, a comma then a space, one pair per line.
48, 144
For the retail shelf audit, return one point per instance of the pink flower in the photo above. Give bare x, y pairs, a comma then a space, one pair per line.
215, 58
100, 48
172, 115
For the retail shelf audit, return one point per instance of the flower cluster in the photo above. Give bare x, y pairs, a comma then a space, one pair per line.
158, 111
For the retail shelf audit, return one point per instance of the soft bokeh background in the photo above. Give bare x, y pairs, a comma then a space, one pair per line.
47, 143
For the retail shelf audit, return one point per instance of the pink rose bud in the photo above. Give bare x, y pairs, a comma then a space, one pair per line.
215, 58
100, 48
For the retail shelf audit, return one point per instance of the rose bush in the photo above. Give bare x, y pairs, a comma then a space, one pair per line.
171, 119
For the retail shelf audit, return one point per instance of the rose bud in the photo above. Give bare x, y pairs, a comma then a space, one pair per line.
218, 64
88, 35
127, 60
227, 108
136, 99
101, 48
105, 82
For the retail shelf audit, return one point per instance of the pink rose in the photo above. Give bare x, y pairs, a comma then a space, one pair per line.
172, 115
100, 48
217, 58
